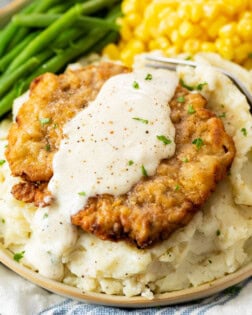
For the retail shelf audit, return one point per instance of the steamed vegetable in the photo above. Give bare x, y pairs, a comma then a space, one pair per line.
46, 35
174, 27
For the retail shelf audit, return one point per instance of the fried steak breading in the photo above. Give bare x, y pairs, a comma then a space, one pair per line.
35, 136
157, 205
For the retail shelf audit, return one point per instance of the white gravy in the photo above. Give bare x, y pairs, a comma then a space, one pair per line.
120, 137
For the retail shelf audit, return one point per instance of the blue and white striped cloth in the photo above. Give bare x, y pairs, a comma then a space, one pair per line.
19, 297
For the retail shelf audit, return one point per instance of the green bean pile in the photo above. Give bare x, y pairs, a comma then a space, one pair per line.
46, 35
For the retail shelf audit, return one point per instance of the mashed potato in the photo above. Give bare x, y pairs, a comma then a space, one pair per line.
216, 242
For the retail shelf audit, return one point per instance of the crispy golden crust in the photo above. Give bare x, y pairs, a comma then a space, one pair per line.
36, 135
32, 192
157, 206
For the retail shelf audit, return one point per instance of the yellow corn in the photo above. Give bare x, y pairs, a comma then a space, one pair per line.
185, 26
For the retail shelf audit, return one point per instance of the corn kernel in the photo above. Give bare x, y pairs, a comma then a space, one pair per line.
127, 57
125, 32
213, 30
163, 43
232, 7
128, 6
133, 19
153, 45
186, 29
212, 10
192, 46
172, 51
169, 23
176, 26
208, 47
245, 15
174, 36
228, 30
196, 12
142, 33
136, 46
184, 10
242, 52
111, 51
244, 29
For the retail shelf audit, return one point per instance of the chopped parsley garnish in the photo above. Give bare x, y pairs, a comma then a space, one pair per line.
185, 160
164, 139
244, 131
200, 86
55, 126
45, 216
18, 256
191, 110
223, 115
210, 261
218, 232
82, 193
45, 121
177, 187
3, 221
130, 162
144, 121
2, 162
148, 77
135, 85
47, 147
144, 172
181, 99
198, 142
188, 58
188, 87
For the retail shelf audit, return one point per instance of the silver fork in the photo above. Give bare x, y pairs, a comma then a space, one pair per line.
172, 63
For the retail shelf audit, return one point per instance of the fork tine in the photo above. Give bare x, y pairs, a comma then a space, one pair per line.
163, 66
171, 61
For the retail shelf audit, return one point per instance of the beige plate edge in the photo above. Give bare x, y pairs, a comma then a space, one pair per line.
7, 11
103, 299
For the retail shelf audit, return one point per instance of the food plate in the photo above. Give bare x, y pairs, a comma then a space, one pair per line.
6, 11
122, 301
174, 297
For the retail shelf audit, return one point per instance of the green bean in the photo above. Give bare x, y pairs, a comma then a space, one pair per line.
82, 46
41, 6
6, 102
44, 20
7, 82
6, 60
49, 34
9, 31
55, 64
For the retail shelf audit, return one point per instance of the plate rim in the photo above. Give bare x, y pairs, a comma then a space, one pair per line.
9, 9
169, 298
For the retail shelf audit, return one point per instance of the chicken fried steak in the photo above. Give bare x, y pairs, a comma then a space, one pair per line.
156, 206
